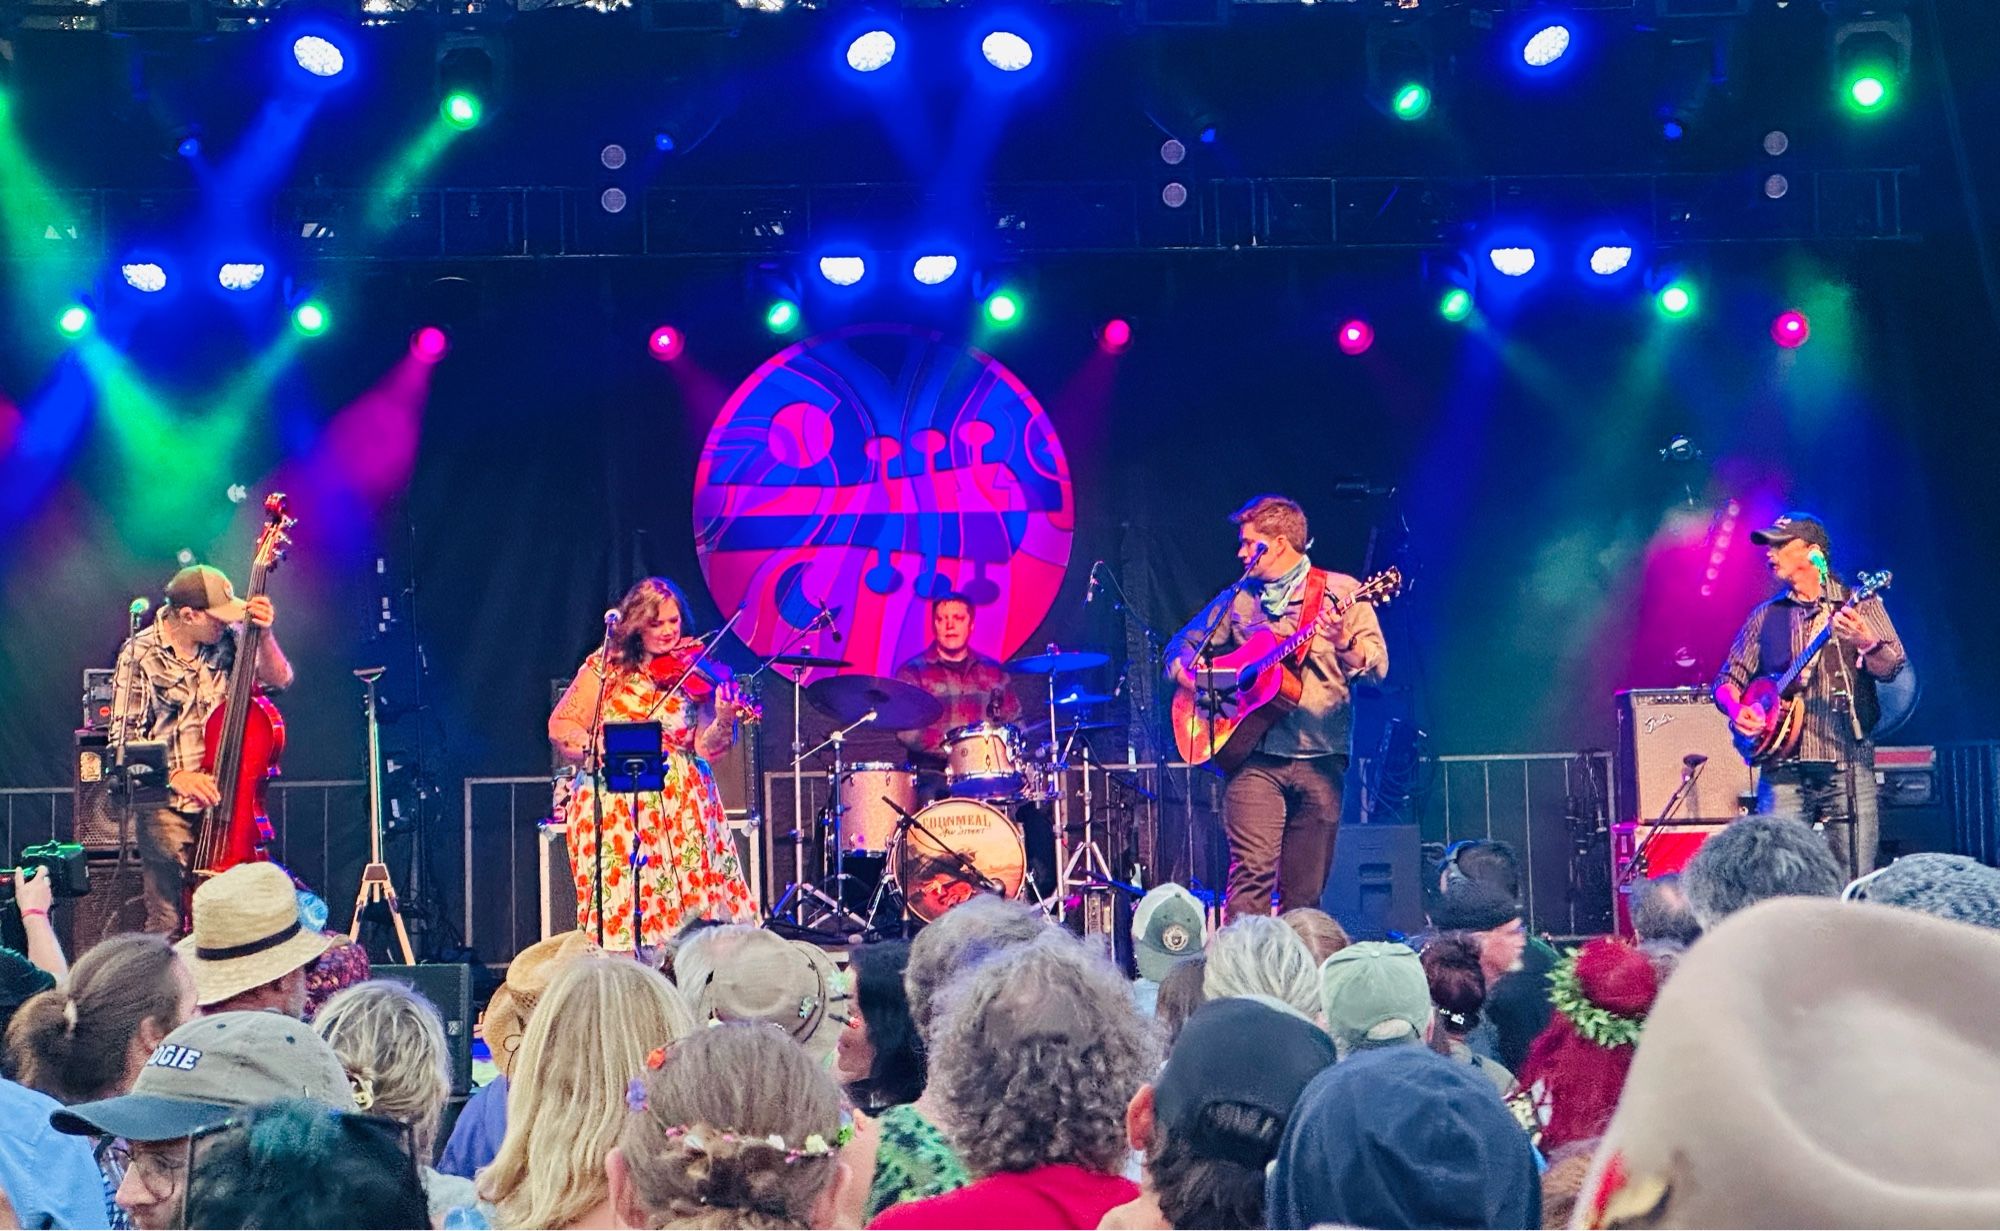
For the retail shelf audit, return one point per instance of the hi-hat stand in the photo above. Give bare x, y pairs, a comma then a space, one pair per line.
376, 886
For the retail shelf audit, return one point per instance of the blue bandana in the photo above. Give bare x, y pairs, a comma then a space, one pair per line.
1277, 594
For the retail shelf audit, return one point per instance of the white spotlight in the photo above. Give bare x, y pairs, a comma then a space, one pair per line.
1546, 46
1512, 262
871, 51
318, 56
144, 276
934, 270
1007, 51
1609, 259
239, 275
842, 270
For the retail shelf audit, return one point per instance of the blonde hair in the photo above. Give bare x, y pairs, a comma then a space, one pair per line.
586, 1041
750, 1081
1275, 517
1322, 932
391, 1042
1259, 955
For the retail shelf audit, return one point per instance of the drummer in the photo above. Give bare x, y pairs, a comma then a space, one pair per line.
972, 688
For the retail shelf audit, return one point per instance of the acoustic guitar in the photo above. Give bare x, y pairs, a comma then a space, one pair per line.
1241, 695
1779, 696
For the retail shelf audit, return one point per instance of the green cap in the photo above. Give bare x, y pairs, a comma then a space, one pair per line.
1374, 992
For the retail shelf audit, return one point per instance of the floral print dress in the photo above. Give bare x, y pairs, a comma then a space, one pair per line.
671, 845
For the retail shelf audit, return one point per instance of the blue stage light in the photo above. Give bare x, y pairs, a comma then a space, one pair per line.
843, 270
1513, 262
1007, 51
318, 56
934, 270
1545, 46
144, 276
239, 275
871, 51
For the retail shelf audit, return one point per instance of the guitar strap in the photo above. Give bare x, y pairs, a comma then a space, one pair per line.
1315, 598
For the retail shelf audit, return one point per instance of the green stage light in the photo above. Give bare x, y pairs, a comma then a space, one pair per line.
1868, 91
1003, 308
1412, 100
1456, 305
1677, 299
310, 318
461, 110
782, 316
73, 320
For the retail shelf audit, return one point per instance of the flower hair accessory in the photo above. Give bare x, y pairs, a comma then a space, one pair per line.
1593, 1021
635, 1094
700, 1137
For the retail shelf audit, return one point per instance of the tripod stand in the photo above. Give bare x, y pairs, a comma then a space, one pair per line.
375, 883
833, 906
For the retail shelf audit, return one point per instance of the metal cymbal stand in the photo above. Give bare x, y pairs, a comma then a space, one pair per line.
834, 906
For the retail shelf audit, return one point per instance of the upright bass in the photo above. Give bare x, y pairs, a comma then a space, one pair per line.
245, 735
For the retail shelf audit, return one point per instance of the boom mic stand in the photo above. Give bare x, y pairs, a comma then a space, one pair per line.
1632, 871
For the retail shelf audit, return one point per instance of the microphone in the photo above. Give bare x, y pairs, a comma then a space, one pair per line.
140, 606
611, 618
1090, 586
1693, 759
829, 615
1256, 556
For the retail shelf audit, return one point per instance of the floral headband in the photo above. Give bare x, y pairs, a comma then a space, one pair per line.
1592, 1020
698, 1137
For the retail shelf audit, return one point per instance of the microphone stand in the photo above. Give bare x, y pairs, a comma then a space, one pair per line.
964, 862
1636, 868
1207, 698
592, 759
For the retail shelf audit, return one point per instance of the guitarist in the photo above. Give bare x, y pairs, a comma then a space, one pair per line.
1833, 774
1281, 807
170, 675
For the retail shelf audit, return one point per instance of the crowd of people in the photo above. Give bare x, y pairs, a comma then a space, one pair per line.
1764, 1053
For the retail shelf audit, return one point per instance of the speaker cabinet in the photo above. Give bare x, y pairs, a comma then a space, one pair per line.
1376, 886
1658, 729
449, 988
99, 816
116, 902
558, 888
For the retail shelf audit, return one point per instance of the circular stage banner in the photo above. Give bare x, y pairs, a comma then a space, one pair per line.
868, 471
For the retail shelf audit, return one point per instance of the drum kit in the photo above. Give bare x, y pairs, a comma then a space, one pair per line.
923, 858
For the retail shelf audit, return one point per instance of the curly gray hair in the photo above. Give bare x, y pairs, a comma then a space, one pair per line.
962, 938
1037, 1053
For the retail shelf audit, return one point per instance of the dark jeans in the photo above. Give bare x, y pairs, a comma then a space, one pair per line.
1816, 792
166, 852
1281, 814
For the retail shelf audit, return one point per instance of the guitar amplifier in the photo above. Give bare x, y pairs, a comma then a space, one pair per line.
97, 811
1658, 729
1668, 849
115, 904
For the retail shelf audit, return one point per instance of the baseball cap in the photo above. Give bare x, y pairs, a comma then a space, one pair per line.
1471, 906
207, 1071
1793, 526
1236, 1050
1168, 925
201, 588
1374, 992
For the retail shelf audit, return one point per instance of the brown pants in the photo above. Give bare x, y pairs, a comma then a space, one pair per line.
166, 852
1281, 815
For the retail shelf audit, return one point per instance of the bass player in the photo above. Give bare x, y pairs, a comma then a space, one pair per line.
170, 676
1831, 776
1281, 807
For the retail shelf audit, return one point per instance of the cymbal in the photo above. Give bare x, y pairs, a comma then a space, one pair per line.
898, 706
1056, 660
1082, 698
1085, 726
809, 660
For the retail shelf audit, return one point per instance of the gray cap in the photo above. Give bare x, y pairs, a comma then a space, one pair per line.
1374, 992
1167, 926
207, 1071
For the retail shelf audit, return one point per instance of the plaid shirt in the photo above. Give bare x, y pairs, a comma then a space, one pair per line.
974, 689
158, 695
1829, 733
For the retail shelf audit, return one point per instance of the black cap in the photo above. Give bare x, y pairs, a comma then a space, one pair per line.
1793, 526
1236, 1050
1472, 906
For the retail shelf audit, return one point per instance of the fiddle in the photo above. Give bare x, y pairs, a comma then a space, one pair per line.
703, 678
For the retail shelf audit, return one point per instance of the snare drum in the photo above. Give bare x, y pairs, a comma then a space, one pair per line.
867, 824
932, 881
983, 761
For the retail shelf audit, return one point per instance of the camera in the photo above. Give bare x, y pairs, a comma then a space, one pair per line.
69, 876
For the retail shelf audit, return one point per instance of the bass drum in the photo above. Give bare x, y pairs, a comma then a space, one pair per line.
932, 880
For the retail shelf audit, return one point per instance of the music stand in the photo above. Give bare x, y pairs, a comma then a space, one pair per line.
633, 764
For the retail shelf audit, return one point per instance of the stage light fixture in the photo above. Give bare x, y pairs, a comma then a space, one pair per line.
1174, 195
1546, 46
467, 76
843, 270
429, 344
1513, 262
1003, 308
871, 51
934, 270
1007, 51
189, 148
1677, 299
239, 275
1115, 336
1355, 337
782, 316
1400, 66
1608, 259
612, 156
311, 318
613, 200
1412, 101
1791, 329
1776, 186
1172, 152
1871, 57
666, 343
318, 56
73, 320
144, 276
1456, 304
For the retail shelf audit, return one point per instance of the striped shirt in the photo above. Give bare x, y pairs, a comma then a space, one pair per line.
1832, 717
158, 695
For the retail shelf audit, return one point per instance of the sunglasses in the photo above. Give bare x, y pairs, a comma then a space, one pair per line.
354, 1130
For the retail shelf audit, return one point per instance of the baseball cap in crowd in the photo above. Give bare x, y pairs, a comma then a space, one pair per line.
201, 588
746, 974
1793, 526
249, 928
1948, 886
1374, 992
1168, 925
1473, 906
1236, 1050
208, 1070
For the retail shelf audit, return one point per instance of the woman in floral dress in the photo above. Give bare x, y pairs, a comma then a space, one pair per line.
690, 869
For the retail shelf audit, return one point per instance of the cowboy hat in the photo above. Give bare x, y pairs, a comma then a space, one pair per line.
248, 931
528, 976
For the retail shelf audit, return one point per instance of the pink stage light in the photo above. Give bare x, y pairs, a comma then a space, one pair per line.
1115, 337
1355, 337
667, 343
1791, 329
429, 344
